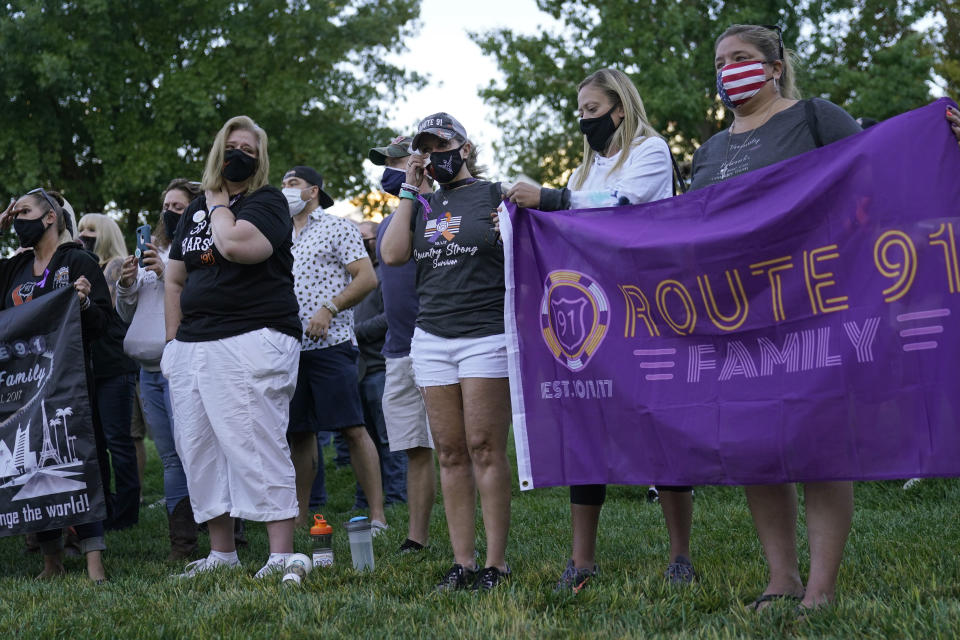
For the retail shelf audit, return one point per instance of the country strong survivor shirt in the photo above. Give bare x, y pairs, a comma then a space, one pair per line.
459, 260
221, 299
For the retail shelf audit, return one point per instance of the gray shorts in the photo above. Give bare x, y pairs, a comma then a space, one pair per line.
403, 408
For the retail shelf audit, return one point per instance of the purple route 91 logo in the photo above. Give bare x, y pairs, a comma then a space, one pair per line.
574, 316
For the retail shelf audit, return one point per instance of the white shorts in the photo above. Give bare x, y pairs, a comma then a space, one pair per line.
403, 410
441, 361
231, 402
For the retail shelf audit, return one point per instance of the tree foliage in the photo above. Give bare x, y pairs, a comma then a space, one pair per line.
110, 99
865, 55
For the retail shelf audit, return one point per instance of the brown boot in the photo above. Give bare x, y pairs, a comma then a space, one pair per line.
239, 533
183, 532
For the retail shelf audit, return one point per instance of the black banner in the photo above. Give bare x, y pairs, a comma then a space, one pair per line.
49, 476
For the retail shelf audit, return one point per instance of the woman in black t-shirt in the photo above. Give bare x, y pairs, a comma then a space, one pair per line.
755, 81
459, 347
234, 335
55, 260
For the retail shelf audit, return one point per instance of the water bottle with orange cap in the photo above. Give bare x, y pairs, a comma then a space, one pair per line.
321, 534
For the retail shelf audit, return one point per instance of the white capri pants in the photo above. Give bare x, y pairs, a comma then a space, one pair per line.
231, 404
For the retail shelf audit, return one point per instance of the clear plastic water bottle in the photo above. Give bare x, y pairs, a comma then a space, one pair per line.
321, 534
361, 543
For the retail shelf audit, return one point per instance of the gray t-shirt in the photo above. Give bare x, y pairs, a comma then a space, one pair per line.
784, 135
459, 262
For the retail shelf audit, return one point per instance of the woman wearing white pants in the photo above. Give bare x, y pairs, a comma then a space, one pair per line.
234, 334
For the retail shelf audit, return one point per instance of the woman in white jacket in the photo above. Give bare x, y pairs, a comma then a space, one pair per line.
143, 287
625, 161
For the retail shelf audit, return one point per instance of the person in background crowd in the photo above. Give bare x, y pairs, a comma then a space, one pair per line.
625, 161
404, 413
370, 327
332, 273
459, 347
116, 375
755, 79
231, 362
153, 387
52, 259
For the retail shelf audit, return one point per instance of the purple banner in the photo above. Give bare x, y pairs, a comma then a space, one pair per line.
796, 323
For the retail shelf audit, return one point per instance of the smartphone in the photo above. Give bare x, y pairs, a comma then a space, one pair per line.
143, 237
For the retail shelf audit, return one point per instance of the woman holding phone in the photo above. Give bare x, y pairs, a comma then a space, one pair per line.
145, 284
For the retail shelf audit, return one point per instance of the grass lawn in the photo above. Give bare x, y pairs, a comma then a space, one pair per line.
901, 578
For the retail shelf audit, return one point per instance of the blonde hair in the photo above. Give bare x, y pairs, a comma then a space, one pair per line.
109, 244
768, 41
212, 177
621, 91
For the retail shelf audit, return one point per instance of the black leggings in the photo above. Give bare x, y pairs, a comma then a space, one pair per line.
596, 494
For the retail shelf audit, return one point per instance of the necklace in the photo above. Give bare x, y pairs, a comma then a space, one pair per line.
724, 172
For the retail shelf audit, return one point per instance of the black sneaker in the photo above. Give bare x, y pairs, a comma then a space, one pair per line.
680, 571
573, 579
410, 546
458, 577
489, 578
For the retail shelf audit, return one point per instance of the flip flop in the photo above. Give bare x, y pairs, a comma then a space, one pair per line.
772, 597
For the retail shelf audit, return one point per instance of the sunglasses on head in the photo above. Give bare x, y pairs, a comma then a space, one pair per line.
54, 205
46, 196
779, 31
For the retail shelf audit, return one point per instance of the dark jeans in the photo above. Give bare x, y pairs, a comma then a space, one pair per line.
113, 406
393, 465
318, 493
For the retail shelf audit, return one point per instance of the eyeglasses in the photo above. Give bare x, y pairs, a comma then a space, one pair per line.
54, 205
46, 196
774, 27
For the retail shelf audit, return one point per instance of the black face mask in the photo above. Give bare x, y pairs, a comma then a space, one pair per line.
599, 130
88, 243
238, 166
391, 180
29, 232
445, 165
170, 221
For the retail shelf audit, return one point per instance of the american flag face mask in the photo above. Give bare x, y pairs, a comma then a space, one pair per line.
737, 82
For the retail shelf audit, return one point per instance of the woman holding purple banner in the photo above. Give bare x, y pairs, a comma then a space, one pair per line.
755, 80
625, 161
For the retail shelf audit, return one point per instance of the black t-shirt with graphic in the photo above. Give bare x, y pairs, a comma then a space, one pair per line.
459, 260
220, 298
25, 284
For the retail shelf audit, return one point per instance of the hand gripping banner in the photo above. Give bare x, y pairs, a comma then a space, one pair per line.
49, 474
796, 323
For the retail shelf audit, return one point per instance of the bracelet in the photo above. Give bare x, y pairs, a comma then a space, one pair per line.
410, 187
85, 304
407, 195
217, 206
329, 306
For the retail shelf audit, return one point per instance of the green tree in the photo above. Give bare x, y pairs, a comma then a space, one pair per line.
110, 99
667, 47
947, 46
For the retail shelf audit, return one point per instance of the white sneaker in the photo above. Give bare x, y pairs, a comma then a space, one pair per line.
273, 566
205, 564
377, 527
911, 483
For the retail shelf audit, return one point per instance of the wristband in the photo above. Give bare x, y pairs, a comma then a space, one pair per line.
217, 206
407, 195
410, 187
329, 306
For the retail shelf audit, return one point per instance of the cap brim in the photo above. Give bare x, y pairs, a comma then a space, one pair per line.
325, 200
443, 134
378, 156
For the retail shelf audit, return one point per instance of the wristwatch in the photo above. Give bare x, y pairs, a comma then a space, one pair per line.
329, 306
